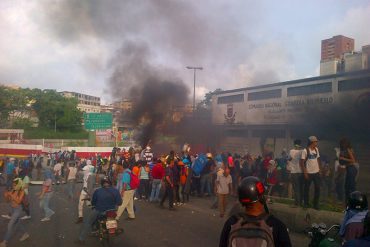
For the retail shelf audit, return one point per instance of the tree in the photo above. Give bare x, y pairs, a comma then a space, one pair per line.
52, 108
206, 103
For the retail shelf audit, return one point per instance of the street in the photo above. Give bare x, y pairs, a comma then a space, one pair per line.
192, 224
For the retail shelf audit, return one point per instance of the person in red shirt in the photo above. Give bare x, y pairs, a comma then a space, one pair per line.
157, 175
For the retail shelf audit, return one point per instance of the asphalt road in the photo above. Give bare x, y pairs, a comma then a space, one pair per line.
193, 224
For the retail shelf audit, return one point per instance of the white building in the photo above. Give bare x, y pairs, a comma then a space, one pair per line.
86, 103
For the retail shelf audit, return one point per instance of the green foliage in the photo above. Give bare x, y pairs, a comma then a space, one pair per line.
42, 133
206, 103
49, 106
22, 123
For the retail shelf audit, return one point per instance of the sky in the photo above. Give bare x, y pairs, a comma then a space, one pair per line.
103, 48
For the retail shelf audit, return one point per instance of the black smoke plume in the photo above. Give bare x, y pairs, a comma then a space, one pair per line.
153, 104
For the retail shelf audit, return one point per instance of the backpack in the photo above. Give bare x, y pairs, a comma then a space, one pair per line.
251, 231
134, 181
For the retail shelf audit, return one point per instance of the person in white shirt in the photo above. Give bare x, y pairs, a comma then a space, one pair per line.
310, 165
71, 179
87, 189
295, 170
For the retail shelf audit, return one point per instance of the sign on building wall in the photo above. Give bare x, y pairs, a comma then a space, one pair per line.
98, 121
289, 104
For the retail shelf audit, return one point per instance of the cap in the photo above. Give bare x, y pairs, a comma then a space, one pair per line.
313, 139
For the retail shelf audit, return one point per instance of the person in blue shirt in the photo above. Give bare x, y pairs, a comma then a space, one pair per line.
9, 170
103, 199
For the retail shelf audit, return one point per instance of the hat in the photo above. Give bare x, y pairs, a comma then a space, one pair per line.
313, 139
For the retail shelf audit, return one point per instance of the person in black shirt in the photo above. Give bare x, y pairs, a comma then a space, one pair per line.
251, 197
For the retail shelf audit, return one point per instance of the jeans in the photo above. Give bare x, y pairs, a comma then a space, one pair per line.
205, 184
44, 204
156, 187
315, 178
144, 188
297, 184
14, 223
86, 227
339, 186
350, 183
168, 192
71, 187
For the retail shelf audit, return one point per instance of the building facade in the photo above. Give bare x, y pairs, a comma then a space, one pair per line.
334, 47
86, 103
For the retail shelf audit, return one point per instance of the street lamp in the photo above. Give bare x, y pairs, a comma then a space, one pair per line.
195, 69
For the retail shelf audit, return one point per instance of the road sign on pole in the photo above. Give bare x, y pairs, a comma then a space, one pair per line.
98, 121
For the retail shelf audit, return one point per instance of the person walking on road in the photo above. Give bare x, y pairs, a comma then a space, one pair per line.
310, 164
87, 189
71, 180
169, 185
45, 195
127, 194
224, 188
15, 197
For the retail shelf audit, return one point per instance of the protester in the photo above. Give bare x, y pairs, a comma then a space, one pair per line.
15, 197
205, 176
127, 194
157, 175
144, 181
103, 199
347, 159
352, 226
71, 180
26, 199
87, 189
169, 185
224, 188
296, 174
310, 164
267, 229
10, 172
45, 195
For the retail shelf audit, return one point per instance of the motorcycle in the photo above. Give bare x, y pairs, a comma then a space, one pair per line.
106, 227
321, 236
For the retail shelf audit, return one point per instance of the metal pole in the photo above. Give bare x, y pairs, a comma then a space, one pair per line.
194, 92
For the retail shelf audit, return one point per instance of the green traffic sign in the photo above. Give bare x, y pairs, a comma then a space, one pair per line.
98, 121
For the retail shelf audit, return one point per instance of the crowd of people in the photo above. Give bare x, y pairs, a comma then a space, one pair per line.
142, 175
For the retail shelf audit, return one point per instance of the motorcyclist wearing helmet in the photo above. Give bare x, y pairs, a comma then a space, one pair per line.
352, 226
251, 196
103, 199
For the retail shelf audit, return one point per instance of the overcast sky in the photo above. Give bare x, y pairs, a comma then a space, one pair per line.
83, 46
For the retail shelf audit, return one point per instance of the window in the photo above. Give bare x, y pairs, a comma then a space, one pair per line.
310, 89
270, 94
354, 84
230, 99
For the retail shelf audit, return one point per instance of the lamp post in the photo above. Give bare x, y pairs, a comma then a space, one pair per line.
195, 69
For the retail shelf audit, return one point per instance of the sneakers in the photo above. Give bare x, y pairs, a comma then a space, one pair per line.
6, 216
45, 219
26, 217
24, 237
79, 220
